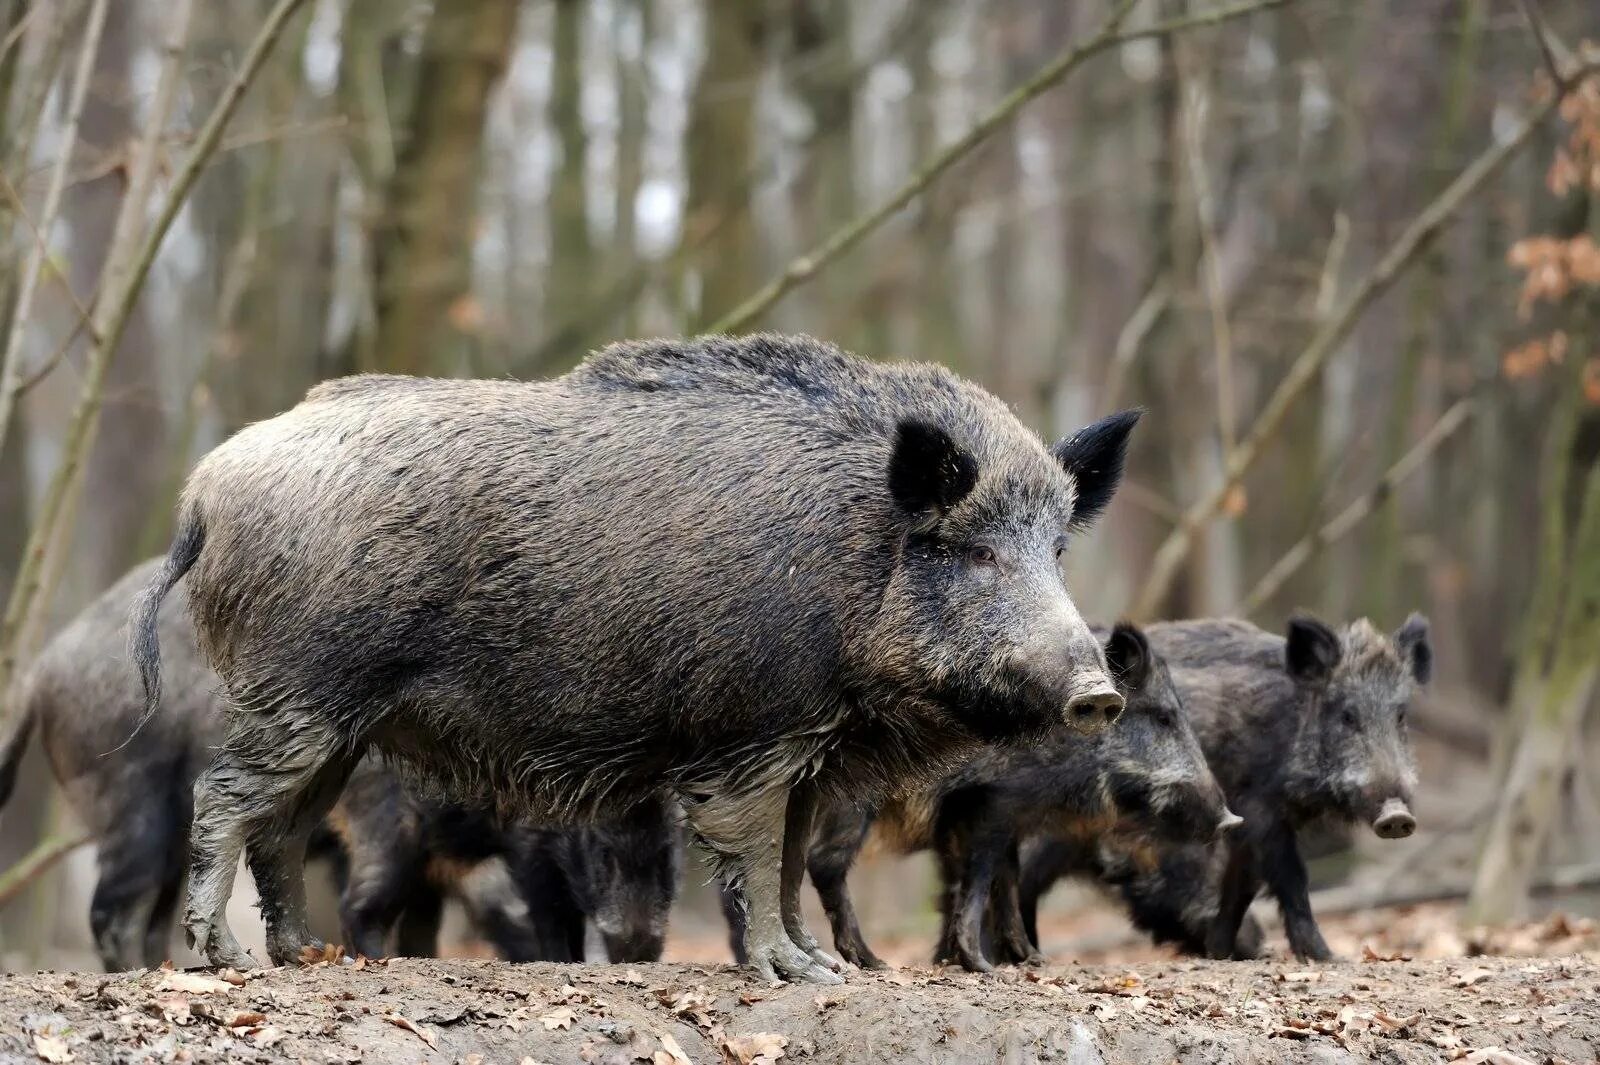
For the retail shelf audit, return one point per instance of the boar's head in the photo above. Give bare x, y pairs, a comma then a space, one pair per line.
977, 611
1156, 772
1352, 751
629, 879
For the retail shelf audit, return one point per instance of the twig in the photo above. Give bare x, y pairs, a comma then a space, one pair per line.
36, 863
1110, 35
1416, 236
1315, 542
1131, 337
42, 247
1546, 40
10, 361
112, 313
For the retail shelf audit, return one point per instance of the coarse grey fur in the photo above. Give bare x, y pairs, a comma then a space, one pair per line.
748, 571
1298, 729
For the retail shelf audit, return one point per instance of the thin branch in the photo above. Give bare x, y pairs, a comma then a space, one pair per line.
1546, 40
1130, 338
42, 247
1110, 35
10, 361
1400, 255
1318, 540
36, 863
112, 314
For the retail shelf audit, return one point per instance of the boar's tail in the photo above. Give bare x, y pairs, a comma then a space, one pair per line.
14, 743
144, 645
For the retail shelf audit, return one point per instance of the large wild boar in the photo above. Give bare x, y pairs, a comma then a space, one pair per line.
744, 571
1299, 729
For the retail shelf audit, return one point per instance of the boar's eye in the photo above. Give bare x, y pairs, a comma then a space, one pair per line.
1061, 551
981, 555
1351, 721
1163, 716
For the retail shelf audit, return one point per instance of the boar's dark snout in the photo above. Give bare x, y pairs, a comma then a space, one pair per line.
1394, 821
1091, 711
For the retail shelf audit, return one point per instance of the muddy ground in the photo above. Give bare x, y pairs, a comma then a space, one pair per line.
1505, 1010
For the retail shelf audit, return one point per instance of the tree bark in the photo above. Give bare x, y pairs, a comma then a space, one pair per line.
423, 253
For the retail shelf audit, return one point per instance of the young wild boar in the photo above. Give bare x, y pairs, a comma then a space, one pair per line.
746, 571
1170, 888
1298, 729
623, 877
1146, 778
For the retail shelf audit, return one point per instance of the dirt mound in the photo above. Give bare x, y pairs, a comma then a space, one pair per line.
1478, 1010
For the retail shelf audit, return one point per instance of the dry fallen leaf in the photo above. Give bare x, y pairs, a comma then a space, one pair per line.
670, 1053
1368, 953
192, 983
1469, 977
420, 1032
762, 1048
1495, 1056
1308, 977
826, 999
51, 1048
244, 1019
265, 1037
631, 977
560, 1017
232, 976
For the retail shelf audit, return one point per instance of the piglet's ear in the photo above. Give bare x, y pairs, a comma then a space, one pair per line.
1312, 651
1129, 656
1094, 456
928, 471
1411, 640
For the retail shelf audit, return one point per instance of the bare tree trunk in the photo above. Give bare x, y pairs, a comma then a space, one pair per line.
721, 138
423, 253
571, 279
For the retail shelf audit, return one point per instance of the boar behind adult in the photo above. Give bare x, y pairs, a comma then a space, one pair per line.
741, 570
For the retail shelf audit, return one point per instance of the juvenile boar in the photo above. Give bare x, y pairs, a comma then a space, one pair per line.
1170, 888
1146, 776
622, 876
1298, 729
746, 571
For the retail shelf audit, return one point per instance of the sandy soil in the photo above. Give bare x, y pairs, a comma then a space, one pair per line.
1502, 1010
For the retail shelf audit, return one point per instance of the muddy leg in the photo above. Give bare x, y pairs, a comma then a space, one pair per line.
277, 853
798, 820
225, 803
746, 833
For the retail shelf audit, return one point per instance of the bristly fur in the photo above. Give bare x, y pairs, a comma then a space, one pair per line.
681, 566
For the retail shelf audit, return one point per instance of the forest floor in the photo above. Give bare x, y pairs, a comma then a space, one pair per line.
1534, 997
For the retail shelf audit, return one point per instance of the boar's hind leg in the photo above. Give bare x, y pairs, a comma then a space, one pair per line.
833, 852
133, 865
276, 850
1012, 942
733, 913
158, 932
745, 832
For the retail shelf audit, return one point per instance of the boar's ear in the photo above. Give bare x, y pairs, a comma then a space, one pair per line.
1094, 455
1411, 639
1128, 655
928, 471
1312, 651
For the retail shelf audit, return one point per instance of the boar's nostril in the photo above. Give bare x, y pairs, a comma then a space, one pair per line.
1093, 711
1394, 821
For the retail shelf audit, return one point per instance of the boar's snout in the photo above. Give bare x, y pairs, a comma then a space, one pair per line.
1093, 709
1229, 822
1394, 821
633, 946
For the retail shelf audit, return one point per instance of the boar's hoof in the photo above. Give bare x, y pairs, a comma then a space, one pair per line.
217, 945
779, 959
1092, 711
1394, 821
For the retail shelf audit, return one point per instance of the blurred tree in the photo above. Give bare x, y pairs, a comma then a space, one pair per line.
425, 312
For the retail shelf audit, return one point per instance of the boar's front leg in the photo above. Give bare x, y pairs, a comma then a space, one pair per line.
1012, 944
1285, 874
833, 851
746, 832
